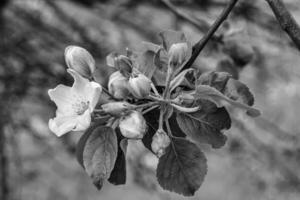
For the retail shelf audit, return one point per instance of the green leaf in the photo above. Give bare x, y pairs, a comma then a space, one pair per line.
182, 168
180, 78
206, 125
170, 37
212, 94
99, 153
238, 91
118, 174
84, 137
214, 79
145, 64
161, 63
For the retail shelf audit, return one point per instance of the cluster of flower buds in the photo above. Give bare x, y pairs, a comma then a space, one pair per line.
160, 141
125, 81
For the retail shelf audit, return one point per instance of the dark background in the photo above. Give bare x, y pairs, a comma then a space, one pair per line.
262, 156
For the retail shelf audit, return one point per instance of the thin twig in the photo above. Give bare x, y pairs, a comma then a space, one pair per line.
197, 48
286, 20
204, 26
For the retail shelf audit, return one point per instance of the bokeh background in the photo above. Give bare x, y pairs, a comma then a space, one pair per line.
262, 156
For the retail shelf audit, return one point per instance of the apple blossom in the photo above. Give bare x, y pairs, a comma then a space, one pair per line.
74, 104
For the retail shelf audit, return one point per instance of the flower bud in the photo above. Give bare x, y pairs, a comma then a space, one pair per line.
139, 86
124, 65
178, 53
118, 85
133, 125
160, 141
80, 60
116, 108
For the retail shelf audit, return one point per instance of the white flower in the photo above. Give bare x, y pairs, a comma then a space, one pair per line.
74, 104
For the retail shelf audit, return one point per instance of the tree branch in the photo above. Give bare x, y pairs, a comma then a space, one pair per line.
197, 48
202, 27
286, 20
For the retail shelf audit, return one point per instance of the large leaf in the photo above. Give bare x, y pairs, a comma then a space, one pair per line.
212, 94
85, 136
99, 153
206, 125
222, 81
182, 168
118, 174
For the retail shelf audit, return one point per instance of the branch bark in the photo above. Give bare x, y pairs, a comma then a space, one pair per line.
198, 47
286, 20
201, 25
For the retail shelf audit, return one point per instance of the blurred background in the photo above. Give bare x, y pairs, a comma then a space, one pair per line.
262, 156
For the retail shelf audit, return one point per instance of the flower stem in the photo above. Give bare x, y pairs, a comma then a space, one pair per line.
149, 109
168, 81
161, 118
168, 129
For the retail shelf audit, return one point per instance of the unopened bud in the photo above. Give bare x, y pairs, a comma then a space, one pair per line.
116, 108
160, 141
139, 86
133, 125
118, 85
123, 64
80, 60
178, 53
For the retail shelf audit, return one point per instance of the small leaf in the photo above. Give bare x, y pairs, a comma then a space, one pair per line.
170, 37
182, 168
206, 125
161, 63
145, 63
227, 65
238, 91
110, 59
118, 174
100, 153
214, 79
149, 46
179, 79
212, 94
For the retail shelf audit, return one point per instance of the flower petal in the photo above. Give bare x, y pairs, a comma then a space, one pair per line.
92, 93
89, 90
63, 124
79, 82
83, 121
62, 97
